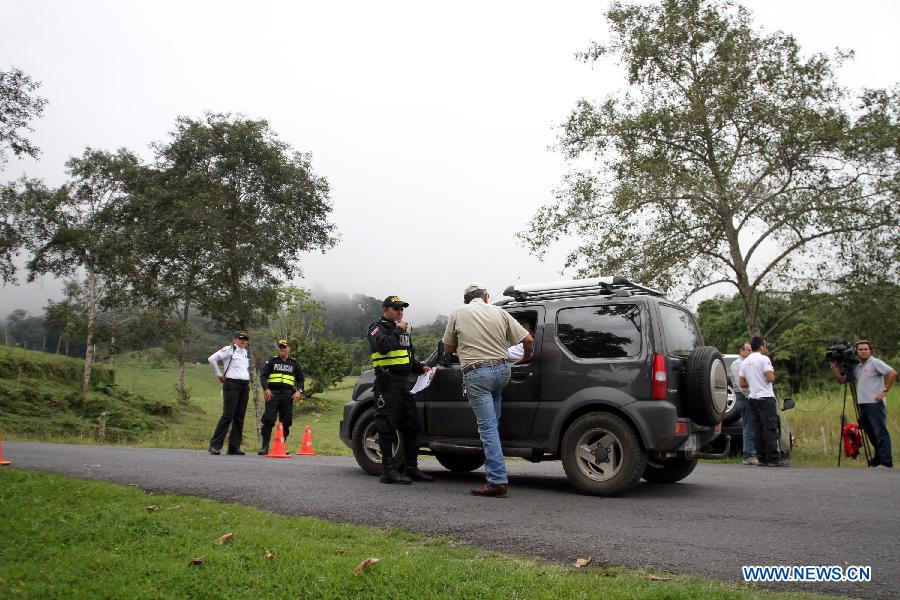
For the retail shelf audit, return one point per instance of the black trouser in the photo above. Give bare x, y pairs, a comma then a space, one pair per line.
395, 410
235, 393
766, 429
281, 406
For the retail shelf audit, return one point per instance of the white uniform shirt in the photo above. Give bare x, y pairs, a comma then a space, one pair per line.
236, 360
754, 369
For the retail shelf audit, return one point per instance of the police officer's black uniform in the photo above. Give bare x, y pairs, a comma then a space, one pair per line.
283, 378
393, 357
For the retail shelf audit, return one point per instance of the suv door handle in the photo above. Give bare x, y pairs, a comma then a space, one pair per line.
521, 376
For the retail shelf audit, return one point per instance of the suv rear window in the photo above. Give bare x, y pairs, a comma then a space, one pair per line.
680, 330
610, 331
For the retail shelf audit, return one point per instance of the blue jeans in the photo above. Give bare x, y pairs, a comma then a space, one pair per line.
873, 418
748, 435
484, 387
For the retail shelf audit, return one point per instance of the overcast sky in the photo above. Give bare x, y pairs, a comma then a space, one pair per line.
431, 121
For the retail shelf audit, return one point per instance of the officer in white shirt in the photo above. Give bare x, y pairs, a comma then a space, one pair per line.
235, 393
758, 374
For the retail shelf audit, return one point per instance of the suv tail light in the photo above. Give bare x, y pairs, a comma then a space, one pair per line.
659, 387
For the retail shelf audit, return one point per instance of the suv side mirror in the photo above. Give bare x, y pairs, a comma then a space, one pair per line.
788, 404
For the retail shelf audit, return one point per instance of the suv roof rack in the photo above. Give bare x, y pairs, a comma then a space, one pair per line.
616, 285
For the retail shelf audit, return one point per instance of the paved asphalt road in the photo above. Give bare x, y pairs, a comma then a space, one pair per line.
719, 518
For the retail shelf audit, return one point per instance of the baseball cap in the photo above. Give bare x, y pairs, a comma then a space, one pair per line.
241, 335
282, 343
394, 301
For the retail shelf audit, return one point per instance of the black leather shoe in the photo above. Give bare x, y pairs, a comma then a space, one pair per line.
236, 453
491, 490
416, 475
214, 451
263, 451
394, 476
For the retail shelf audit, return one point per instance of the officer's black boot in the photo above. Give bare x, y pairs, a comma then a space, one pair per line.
391, 474
411, 469
265, 444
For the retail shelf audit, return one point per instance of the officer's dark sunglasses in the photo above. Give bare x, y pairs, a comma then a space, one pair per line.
282, 345
243, 337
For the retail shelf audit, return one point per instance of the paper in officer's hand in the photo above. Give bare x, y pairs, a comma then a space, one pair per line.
423, 381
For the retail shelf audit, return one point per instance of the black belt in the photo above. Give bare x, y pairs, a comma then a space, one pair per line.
484, 363
241, 381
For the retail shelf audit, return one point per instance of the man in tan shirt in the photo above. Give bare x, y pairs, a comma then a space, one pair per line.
481, 334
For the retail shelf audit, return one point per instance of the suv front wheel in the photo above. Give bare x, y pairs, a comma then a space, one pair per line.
602, 455
365, 444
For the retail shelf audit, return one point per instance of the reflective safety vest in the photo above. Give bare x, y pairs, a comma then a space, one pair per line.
282, 378
394, 357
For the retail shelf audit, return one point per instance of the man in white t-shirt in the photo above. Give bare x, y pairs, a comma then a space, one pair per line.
757, 374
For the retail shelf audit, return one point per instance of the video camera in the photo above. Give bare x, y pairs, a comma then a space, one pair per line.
843, 354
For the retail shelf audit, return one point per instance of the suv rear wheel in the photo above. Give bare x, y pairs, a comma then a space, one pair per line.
365, 444
602, 455
668, 470
459, 463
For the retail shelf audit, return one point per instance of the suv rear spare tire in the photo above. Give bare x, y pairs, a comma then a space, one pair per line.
707, 385
602, 455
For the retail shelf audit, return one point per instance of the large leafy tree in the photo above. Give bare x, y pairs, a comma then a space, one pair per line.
72, 230
729, 159
223, 218
19, 105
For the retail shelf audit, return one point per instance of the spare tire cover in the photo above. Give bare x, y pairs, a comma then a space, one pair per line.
707, 385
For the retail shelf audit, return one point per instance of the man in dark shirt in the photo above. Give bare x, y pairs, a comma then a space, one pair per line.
282, 383
393, 357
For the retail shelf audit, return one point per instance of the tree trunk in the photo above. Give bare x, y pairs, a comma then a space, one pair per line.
112, 351
89, 342
182, 354
254, 387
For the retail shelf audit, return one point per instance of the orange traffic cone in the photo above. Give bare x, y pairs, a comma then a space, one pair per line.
306, 447
3, 463
278, 448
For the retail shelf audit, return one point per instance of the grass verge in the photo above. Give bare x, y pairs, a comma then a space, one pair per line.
98, 540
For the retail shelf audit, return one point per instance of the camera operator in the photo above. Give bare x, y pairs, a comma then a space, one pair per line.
873, 380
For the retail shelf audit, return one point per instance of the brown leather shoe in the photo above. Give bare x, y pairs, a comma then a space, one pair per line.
493, 490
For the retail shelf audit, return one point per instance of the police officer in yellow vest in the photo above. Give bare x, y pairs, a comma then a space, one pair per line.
393, 357
282, 383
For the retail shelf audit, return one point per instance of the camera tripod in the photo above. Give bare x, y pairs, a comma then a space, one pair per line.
850, 383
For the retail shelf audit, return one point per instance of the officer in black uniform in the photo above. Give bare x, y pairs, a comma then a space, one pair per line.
282, 383
393, 357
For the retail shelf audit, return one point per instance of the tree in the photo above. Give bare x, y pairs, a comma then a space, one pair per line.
224, 216
72, 228
731, 159
19, 105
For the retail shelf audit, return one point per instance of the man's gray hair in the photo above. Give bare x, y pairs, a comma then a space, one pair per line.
479, 293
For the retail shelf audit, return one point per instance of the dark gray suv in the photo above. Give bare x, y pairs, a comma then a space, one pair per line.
620, 388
